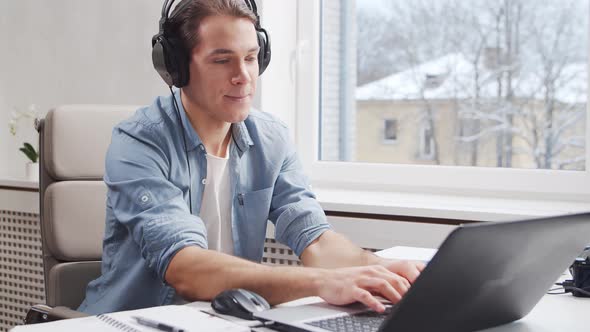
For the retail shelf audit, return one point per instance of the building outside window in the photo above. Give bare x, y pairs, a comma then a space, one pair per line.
498, 84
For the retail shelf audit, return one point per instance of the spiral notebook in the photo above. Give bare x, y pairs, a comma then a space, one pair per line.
184, 317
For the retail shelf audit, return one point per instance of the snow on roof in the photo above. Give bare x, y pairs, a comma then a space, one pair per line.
453, 76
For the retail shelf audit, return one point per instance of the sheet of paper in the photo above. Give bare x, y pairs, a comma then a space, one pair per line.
180, 316
184, 317
86, 324
410, 253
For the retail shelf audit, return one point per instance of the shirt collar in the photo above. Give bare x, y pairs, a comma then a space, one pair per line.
240, 133
241, 136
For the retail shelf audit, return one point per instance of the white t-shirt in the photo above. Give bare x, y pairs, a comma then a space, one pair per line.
216, 205
216, 209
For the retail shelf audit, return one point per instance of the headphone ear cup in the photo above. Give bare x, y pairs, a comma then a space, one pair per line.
180, 60
169, 61
159, 58
264, 53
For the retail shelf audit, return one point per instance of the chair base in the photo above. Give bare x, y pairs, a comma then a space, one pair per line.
41, 313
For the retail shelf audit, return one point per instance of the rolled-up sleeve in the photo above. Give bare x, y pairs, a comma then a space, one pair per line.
297, 215
143, 199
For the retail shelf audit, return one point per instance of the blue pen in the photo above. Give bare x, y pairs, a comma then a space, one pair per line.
157, 325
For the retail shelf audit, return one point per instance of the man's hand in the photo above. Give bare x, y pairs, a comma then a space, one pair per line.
347, 285
190, 271
368, 274
407, 269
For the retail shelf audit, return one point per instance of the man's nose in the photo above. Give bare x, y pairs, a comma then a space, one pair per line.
241, 74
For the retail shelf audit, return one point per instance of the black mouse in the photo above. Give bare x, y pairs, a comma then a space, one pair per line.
239, 303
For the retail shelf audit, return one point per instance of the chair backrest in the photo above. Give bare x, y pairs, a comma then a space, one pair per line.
73, 141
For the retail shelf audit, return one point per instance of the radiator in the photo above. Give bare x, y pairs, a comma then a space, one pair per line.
21, 266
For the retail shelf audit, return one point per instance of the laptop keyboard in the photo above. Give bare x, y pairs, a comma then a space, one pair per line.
367, 321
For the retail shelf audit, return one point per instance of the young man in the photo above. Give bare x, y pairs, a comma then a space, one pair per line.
168, 239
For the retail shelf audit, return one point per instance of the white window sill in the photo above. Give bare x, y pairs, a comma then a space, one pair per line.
441, 206
18, 183
417, 205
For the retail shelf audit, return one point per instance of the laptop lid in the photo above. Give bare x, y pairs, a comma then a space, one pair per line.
484, 274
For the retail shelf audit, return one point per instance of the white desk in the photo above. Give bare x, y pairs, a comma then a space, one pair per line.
554, 313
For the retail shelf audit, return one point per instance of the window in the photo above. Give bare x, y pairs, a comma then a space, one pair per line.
494, 95
427, 149
493, 63
389, 131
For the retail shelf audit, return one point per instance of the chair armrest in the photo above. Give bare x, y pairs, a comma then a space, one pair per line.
40, 313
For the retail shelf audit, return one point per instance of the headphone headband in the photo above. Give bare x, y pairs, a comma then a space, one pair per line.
252, 5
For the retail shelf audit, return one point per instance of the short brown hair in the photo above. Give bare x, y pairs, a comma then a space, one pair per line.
184, 25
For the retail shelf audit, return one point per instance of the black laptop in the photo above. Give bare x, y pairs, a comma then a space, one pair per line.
483, 275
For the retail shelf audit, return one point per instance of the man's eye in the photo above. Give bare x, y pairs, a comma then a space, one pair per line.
251, 59
221, 61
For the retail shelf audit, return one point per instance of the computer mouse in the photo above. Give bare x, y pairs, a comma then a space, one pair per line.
239, 303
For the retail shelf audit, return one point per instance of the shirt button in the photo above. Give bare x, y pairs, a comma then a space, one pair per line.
202, 147
145, 198
204, 181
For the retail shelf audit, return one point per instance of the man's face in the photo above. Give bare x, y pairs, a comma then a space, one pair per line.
224, 68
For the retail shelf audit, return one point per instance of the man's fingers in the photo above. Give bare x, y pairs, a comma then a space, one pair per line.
384, 288
400, 284
421, 266
399, 281
411, 274
405, 282
367, 299
394, 278
407, 269
411, 271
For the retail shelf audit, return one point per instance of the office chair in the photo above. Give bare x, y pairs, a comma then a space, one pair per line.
73, 141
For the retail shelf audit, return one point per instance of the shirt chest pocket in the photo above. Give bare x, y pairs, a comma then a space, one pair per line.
256, 205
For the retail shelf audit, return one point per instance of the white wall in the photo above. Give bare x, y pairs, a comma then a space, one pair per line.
66, 51
99, 51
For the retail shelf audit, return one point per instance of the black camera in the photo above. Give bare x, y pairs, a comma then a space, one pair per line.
580, 270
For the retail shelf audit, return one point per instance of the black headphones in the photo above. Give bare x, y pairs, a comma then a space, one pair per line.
170, 58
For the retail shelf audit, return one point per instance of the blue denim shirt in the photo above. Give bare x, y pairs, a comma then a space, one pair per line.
147, 210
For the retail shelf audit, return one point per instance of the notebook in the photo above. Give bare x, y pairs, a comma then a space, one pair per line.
184, 317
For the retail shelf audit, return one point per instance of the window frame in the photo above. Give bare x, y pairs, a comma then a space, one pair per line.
482, 181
